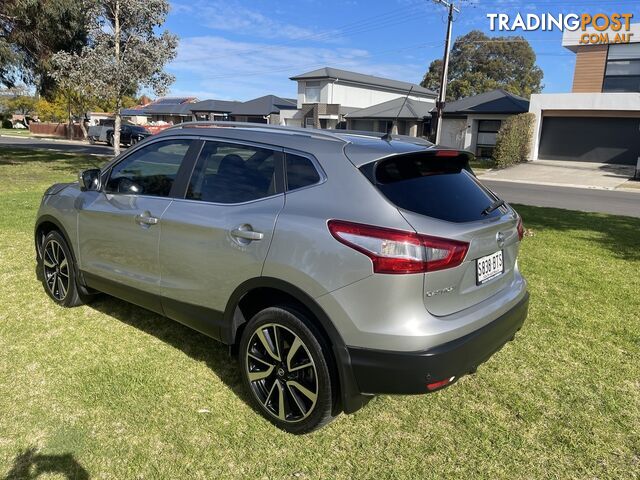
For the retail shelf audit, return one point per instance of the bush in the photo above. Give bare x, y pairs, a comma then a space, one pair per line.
7, 123
513, 144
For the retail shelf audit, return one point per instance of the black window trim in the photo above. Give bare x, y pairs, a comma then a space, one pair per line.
279, 171
321, 173
192, 151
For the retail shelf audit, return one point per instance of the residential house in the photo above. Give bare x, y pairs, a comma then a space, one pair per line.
212, 109
268, 109
472, 123
599, 121
334, 98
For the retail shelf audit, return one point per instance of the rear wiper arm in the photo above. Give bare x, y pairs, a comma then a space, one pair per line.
494, 206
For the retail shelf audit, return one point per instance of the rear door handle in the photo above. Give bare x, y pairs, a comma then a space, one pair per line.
146, 219
245, 232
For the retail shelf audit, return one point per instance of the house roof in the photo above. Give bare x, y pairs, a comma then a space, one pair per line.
337, 74
263, 106
137, 110
183, 109
223, 106
174, 100
495, 101
411, 109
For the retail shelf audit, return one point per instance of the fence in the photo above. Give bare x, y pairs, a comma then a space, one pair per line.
60, 130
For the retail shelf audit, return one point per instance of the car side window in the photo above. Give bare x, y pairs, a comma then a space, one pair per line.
229, 173
150, 170
301, 172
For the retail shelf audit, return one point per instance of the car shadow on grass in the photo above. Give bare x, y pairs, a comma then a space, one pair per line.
618, 234
30, 464
196, 345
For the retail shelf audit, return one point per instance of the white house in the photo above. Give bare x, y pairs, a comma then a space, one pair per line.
334, 98
599, 121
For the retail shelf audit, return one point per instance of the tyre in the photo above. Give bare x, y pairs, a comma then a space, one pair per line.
59, 273
92, 140
286, 371
110, 139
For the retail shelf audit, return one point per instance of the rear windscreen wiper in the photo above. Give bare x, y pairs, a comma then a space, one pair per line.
494, 206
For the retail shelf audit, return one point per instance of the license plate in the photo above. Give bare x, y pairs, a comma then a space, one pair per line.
489, 267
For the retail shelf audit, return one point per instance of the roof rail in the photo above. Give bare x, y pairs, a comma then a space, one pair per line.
260, 126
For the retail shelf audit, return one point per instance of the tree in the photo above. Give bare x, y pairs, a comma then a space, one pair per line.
479, 63
31, 31
54, 110
124, 53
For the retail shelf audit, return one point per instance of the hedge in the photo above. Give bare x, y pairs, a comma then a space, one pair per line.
513, 144
7, 123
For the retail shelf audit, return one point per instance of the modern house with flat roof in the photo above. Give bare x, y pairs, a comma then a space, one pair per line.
599, 121
472, 123
334, 98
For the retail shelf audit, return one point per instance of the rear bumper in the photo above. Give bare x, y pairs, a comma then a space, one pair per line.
381, 371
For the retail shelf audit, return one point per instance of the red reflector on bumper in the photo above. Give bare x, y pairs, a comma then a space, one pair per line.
442, 383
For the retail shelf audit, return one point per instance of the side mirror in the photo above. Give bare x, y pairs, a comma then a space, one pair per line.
90, 180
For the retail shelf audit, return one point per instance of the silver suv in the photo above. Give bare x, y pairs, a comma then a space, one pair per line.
338, 265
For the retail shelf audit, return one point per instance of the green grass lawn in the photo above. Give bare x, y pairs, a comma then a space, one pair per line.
113, 391
21, 132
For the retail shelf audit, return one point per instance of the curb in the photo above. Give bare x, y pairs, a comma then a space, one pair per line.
553, 184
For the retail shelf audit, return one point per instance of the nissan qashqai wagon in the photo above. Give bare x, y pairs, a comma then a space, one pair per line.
337, 265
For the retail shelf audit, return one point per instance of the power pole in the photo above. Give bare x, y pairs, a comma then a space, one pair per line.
445, 68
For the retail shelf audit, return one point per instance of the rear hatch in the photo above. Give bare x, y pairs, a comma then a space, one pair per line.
437, 193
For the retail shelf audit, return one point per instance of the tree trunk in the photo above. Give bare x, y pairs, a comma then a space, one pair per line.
118, 121
70, 125
83, 127
116, 130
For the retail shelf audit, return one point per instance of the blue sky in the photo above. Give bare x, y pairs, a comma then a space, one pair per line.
239, 49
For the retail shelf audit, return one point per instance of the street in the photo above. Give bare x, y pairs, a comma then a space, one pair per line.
569, 198
58, 145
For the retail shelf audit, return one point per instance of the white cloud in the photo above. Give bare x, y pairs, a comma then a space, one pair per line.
231, 16
217, 67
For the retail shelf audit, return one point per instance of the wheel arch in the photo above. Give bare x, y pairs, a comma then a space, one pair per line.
255, 294
44, 225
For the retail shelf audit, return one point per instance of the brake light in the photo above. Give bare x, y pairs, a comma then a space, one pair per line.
520, 228
397, 251
447, 153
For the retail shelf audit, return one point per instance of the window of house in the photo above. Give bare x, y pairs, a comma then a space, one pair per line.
228, 173
623, 68
150, 170
312, 92
487, 134
300, 172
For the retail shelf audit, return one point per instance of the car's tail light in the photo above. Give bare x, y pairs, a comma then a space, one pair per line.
447, 153
520, 228
442, 383
397, 251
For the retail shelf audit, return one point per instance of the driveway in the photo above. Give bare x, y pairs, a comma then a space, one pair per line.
561, 173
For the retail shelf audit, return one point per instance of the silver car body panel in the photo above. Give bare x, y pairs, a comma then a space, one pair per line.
190, 256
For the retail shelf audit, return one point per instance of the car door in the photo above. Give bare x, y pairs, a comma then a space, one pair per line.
119, 226
218, 236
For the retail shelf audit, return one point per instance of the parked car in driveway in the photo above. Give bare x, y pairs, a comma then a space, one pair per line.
337, 265
129, 134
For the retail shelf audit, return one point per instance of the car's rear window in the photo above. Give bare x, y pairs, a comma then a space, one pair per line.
441, 187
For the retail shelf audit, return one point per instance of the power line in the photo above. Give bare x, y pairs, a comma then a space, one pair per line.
359, 26
298, 66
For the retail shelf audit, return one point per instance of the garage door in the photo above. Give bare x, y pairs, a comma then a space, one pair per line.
603, 140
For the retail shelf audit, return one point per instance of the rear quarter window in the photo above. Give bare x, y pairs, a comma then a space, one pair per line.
441, 187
